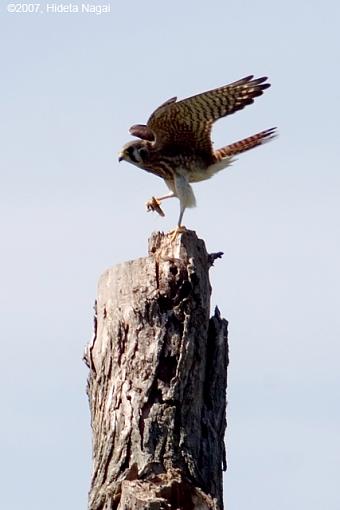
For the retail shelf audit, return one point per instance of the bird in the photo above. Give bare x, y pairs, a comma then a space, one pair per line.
175, 143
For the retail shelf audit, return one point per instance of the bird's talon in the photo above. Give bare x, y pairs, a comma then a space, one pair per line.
154, 205
174, 233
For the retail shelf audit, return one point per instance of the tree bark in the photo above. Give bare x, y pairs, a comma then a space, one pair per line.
157, 382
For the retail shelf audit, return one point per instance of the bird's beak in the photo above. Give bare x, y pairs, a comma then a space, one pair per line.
121, 157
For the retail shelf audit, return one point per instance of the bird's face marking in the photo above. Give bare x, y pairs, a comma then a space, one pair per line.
135, 153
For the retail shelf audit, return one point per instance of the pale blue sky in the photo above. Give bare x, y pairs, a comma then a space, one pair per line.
71, 85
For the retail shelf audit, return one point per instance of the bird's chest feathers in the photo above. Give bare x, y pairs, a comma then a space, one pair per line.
186, 162
167, 164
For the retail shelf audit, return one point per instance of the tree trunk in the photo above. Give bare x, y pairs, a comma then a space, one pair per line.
157, 382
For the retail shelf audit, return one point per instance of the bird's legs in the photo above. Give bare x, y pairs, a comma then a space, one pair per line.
186, 199
180, 228
154, 204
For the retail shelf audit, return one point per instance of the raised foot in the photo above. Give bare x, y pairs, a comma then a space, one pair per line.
154, 205
174, 233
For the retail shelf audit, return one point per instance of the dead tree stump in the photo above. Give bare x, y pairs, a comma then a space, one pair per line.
157, 382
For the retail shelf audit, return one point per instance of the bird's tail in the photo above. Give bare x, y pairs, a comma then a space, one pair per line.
244, 145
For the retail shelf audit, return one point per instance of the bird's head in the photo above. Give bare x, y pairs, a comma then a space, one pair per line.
135, 152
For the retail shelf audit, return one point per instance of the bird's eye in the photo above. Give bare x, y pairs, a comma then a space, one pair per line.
143, 153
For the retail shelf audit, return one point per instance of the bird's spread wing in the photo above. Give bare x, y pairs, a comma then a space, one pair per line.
166, 103
187, 124
144, 132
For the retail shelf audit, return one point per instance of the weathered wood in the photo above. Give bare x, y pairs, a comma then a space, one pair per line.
157, 382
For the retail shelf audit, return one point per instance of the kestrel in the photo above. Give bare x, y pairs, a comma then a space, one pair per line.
176, 145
